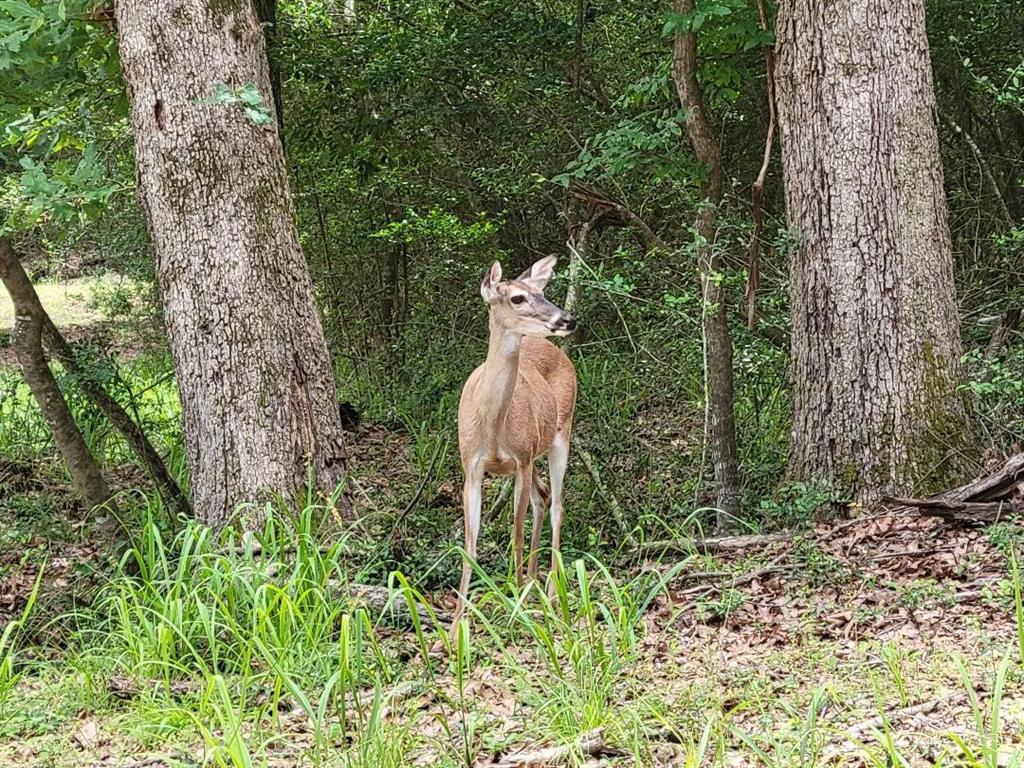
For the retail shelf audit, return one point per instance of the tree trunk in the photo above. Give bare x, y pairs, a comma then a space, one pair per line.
255, 378
24, 295
27, 341
717, 337
875, 341
266, 12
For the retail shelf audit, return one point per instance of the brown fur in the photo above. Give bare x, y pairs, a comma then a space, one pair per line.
516, 407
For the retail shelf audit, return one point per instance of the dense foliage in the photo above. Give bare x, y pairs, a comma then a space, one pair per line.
428, 138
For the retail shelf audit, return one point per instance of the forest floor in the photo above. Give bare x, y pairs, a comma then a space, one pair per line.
888, 639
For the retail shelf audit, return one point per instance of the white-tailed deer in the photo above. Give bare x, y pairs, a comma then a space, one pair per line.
516, 407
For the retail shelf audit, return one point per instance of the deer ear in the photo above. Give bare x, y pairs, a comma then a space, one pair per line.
538, 275
491, 280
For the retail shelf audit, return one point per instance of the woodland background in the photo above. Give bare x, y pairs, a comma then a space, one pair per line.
424, 140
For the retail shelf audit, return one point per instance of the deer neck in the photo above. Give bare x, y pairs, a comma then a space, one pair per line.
501, 370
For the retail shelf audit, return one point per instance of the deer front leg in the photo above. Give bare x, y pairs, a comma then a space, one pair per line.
524, 484
558, 459
472, 500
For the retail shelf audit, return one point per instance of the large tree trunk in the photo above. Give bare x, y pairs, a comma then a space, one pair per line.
875, 339
717, 337
253, 370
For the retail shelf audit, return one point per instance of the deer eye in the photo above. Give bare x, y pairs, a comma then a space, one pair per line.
518, 299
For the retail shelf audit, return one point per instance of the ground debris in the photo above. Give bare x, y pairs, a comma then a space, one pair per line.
590, 744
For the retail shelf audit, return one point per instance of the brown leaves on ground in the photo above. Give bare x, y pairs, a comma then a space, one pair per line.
884, 574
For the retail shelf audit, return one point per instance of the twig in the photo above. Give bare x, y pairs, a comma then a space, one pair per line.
736, 583
609, 498
757, 189
714, 545
879, 720
985, 169
381, 599
908, 553
419, 492
590, 744
855, 731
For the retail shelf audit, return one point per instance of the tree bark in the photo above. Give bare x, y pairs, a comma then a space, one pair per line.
875, 341
19, 285
717, 337
255, 377
266, 12
27, 341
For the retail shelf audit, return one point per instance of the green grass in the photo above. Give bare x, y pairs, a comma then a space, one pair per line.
237, 656
245, 655
67, 302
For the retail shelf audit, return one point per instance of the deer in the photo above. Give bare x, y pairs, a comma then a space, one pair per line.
516, 407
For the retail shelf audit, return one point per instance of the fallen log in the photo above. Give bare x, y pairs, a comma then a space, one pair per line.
993, 486
967, 512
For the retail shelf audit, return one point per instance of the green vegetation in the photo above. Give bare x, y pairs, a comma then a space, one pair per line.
69, 303
240, 651
425, 139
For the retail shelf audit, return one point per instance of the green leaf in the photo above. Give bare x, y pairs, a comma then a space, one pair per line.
676, 23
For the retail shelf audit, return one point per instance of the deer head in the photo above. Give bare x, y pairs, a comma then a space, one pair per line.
519, 306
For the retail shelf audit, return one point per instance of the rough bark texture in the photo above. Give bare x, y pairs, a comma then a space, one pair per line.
875, 339
717, 338
27, 341
255, 378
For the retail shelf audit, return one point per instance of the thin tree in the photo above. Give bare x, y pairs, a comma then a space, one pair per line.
27, 304
875, 340
717, 337
27, 341
254, 374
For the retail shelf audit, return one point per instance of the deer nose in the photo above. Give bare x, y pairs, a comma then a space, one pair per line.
569, 323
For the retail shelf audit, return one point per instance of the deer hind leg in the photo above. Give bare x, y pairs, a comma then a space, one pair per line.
472, 500
524, 486
558, 459
539, 497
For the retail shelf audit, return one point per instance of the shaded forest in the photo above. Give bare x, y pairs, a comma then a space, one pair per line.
253, 251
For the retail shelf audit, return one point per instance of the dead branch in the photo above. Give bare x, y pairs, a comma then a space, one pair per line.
578, 245
966, 512
129, 688
27, 340
734, 582
993, 486
24, 295
601, 209
124, 687
716, 545
590, 744
980, 502
757, 189
985, 169
897, 714
381, 601
608, 496
1008, 323
132, 433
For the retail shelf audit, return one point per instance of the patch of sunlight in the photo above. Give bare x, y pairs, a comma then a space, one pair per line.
67, 301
